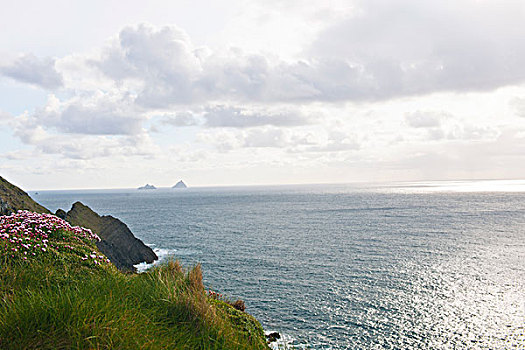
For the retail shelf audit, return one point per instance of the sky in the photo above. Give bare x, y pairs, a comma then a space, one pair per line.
117, 94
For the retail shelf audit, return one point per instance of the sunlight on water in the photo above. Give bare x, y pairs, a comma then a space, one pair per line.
464, 186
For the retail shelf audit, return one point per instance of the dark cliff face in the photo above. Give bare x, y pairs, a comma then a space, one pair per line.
117, 241
12, 199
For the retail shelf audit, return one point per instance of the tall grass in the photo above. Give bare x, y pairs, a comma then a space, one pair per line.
50, 303
165, 308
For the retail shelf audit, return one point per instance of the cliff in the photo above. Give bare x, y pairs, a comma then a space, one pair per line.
117, 241
13, 198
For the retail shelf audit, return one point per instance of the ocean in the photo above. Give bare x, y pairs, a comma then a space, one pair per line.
436, 265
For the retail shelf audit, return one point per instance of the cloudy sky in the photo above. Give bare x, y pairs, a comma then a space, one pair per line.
109, 94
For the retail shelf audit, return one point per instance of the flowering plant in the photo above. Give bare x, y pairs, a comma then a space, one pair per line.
26, 235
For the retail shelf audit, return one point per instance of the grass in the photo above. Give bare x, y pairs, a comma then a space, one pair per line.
63, 300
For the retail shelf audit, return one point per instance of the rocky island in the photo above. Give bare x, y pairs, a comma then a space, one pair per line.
147, 187
180, 184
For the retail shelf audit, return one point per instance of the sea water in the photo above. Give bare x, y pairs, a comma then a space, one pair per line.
434, 266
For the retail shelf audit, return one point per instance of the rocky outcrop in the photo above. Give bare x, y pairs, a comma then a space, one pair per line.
12, 199
117, 241
61, 214
180, 184
273, 337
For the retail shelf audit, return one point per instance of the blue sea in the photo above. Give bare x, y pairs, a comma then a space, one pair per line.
436, 265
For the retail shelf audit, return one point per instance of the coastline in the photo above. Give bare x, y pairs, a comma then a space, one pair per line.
63, 258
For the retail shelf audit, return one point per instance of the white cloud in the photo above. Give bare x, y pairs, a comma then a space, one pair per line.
169, 70
97, 114
363, 88
385, 49
265, 137
441, 125
86, 147
296, 140
33, 70
332, 140
98, 126
518, 105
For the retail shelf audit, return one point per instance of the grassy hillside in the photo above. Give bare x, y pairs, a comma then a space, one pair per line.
58, 292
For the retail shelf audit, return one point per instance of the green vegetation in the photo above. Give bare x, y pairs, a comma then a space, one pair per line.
67, 295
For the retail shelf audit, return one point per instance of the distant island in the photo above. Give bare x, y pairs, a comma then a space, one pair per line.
180, 184
147, 187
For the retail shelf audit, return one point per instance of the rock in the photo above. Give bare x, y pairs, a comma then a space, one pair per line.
61, 214
117, 241
13, 199
147, 187
271, 337
180, 184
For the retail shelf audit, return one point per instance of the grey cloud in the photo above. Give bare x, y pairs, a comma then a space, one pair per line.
412, 47
98, 121
32, 70
425, 119
237, 117
221, 116
182, 119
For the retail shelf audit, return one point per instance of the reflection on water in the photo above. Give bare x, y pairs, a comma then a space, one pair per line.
463, 186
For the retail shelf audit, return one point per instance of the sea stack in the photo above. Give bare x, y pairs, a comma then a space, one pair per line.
180, 184
117, 241
147, 187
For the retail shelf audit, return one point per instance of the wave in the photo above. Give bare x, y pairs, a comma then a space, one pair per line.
162, 255
284, 342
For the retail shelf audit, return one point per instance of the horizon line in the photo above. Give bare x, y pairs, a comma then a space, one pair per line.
284, 184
